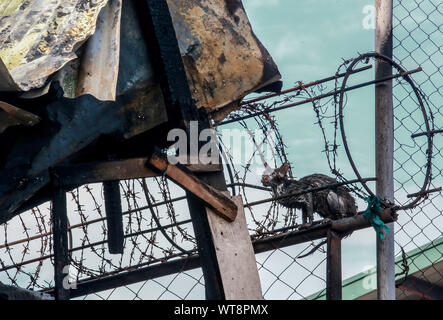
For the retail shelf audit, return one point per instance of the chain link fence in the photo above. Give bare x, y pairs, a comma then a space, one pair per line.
417, 42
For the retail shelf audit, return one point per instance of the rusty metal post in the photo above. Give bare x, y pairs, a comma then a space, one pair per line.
333, 268
384, 138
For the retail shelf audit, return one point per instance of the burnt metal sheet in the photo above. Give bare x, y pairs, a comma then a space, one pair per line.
39, 37
223, 58
100, 58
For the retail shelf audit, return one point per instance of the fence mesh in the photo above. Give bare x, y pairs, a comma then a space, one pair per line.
164, 234
417, 41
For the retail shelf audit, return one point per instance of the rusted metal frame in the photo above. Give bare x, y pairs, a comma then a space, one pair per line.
384, 141
60, 242
326, 95
143, 272
114, 217
166, 59
333, 267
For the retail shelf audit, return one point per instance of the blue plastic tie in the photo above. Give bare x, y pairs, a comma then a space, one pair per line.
372, 214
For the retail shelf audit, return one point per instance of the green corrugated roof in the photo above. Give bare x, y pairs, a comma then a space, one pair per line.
365, 282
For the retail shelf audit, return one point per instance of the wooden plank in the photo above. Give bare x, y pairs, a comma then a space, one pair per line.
235, 255
95, 172
333, 267
319, 231
103, 171
114, 217
205, 244
60, 242
213, 198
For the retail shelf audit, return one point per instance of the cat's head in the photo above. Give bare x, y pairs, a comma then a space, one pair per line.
276, 176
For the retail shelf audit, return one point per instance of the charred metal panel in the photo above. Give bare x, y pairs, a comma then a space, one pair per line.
223, 58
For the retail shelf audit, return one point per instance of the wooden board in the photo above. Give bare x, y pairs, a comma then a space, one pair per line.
213, 198
95, 172
235, 255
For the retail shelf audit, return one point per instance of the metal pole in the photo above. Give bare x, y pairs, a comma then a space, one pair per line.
384, 137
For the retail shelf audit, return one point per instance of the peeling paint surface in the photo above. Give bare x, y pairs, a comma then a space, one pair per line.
39, 37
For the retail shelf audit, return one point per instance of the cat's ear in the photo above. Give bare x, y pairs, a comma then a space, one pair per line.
283, 170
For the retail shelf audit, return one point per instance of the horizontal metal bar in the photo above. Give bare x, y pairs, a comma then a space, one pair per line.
432, 132
422, 193
322, 96
307, 85
247, 185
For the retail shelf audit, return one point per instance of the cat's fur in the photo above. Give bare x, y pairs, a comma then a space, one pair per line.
333, 203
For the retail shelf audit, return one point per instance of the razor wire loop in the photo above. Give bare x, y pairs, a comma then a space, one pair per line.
420, 98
